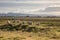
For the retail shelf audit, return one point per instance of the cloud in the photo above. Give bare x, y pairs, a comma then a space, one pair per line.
29, 0
18, 10
20, 4
27, 6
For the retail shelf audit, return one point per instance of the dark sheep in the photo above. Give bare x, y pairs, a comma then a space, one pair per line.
31, 29
24, 27
30, 23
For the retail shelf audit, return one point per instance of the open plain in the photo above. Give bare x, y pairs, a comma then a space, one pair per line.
27, 28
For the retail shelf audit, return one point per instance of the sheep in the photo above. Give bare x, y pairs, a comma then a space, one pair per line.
31, 29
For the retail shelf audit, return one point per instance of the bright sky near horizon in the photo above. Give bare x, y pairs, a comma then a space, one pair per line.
28, 6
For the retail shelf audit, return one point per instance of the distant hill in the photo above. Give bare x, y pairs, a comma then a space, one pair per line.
23, 14
14, 14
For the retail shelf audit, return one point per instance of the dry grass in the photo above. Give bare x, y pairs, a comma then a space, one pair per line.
19, 35
53, 34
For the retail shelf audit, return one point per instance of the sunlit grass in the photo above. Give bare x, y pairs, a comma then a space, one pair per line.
45, 30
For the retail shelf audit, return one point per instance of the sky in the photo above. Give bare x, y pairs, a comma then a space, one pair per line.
28, 6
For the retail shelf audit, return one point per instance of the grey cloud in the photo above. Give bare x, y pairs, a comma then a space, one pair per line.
2, 4
7, 6
20, 4
29, 0
51, 9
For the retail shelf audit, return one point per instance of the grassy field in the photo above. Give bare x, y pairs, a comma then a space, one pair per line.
30, 29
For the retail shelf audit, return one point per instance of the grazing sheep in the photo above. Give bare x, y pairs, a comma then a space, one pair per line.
8, 22
24, 27
6, 26
23, 22
37, 23
17, 21
17, 27
31, 29
30, 23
